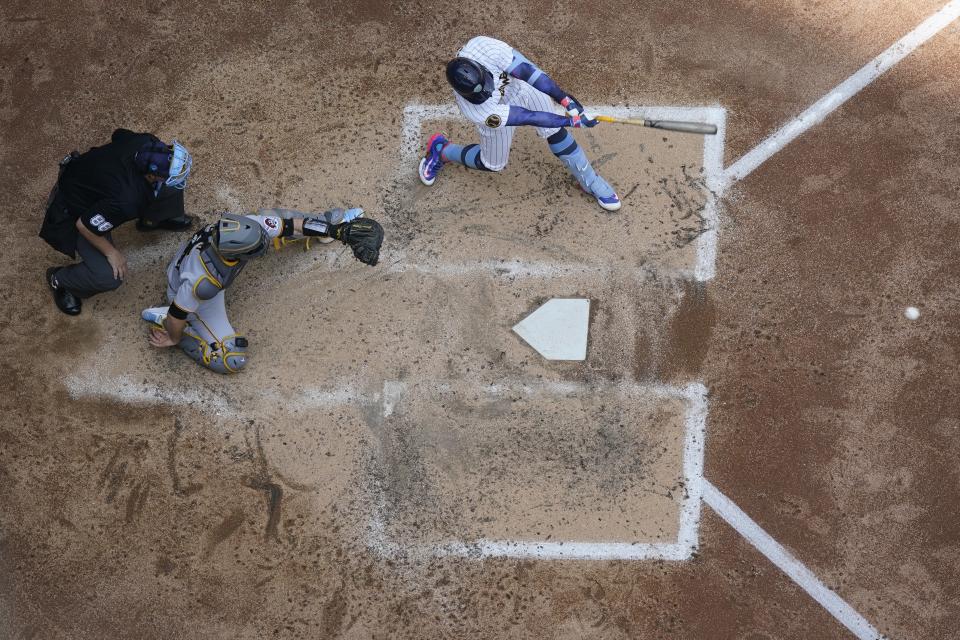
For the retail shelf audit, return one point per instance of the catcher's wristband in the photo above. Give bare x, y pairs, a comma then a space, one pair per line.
318, 227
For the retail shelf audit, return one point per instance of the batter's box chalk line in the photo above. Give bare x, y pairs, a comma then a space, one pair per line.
693, 395
412, 140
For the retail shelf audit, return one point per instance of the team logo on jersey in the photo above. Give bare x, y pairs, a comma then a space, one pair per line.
270, 222
505, 80
493, 121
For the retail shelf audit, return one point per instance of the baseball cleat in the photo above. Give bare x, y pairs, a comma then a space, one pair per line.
155, 315
431, 164
610, 203
605, 195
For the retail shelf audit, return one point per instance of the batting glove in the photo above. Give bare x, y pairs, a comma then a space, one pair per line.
572, 105
582, 121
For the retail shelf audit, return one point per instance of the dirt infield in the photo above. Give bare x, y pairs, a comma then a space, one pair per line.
391, 428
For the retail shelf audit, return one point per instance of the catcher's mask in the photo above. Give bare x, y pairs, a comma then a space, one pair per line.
470, 79
239, 238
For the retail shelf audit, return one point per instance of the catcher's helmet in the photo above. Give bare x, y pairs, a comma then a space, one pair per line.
470, 79
239, 238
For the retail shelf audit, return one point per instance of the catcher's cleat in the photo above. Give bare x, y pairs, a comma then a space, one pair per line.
431, 164
155, 315
65, 301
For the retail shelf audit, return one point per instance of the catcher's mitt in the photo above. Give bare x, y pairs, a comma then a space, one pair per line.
364, 236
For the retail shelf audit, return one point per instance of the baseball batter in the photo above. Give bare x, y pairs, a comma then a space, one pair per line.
498, 89
204, 267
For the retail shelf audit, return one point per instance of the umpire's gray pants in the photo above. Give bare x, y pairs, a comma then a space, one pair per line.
92, 275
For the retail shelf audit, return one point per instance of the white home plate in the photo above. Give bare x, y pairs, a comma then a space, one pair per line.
558, 329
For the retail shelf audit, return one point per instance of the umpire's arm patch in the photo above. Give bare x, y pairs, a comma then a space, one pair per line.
493, 121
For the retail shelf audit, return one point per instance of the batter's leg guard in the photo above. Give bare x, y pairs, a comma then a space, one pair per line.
571, 154
468, 156
228, 356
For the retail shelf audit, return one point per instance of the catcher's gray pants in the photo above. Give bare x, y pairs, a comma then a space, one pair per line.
92, 275
210, 339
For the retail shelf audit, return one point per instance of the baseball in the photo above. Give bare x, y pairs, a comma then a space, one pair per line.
912, 313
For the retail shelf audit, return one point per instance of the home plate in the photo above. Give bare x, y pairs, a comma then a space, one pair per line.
558, 329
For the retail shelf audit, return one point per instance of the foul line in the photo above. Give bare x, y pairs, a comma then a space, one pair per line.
743, 167
843, 92
787, 563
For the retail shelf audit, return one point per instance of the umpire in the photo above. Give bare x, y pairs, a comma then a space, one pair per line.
134, 176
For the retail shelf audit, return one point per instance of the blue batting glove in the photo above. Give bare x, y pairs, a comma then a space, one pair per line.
572, 105
582, 121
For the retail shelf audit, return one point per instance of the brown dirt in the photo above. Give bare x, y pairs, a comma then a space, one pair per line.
239, 515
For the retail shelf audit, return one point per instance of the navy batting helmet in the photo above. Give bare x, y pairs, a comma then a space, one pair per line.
470, 80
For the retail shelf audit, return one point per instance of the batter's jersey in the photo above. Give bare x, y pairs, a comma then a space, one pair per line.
197, 273
496, 57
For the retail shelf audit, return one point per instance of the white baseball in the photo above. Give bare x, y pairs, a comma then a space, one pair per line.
912, 313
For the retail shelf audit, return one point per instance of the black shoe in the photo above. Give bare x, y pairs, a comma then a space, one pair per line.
66, 301
180, 223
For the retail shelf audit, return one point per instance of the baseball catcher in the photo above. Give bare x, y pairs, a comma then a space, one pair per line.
203, 268
498, 89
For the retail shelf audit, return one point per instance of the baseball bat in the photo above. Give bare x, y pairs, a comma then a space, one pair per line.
669, 125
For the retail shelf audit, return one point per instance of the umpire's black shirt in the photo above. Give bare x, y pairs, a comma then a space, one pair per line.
103, 188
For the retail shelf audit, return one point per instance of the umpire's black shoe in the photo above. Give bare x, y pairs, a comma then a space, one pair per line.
180, 223
66, 301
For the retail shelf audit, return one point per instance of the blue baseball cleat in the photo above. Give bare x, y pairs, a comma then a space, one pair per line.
431, 164
604, 193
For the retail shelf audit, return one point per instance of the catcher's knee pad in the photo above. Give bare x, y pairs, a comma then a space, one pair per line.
227, 356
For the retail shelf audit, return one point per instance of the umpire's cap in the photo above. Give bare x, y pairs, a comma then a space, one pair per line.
470, 79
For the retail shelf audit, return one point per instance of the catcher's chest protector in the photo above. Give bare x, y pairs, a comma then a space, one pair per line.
223, 272
218, 274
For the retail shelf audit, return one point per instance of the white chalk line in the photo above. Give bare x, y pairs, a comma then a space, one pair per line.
524, 269
396, 261
743, 167
124, 389
542, 550
210, 401
695, 395
788, 563
706, 248
823, 107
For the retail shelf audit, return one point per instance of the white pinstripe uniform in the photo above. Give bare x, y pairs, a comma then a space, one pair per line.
491, 116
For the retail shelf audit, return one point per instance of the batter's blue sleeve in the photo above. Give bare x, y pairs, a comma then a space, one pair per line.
522, 69
519, 117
